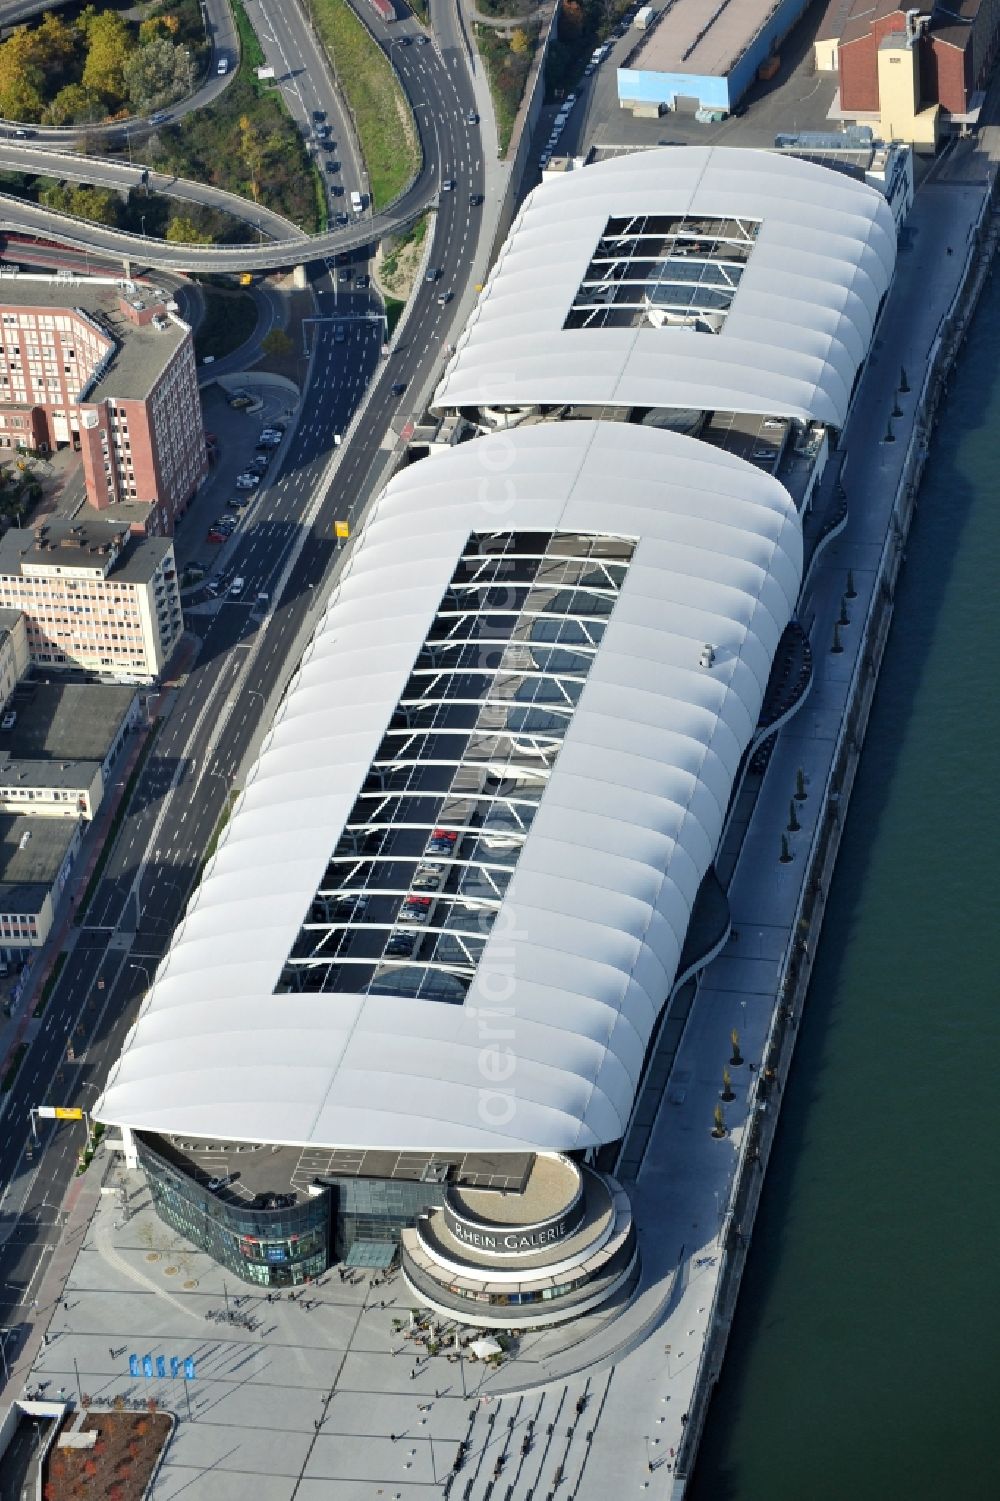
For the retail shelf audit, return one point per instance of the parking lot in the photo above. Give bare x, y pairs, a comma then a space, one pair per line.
235, 433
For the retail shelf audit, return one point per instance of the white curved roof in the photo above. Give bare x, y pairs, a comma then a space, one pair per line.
586, 943
798, 329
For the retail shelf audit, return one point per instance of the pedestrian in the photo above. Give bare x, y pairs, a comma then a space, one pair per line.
392, 1438
753, 1068
413, 1374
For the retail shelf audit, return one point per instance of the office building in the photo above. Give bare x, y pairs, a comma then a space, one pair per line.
110, 368
93, 596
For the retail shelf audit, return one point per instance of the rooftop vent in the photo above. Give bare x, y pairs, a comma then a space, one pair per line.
24, 839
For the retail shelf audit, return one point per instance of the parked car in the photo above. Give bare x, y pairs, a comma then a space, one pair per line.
443, 842
247, 480
222, 67
401, 945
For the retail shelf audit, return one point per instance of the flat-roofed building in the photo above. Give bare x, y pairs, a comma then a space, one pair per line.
694, 56
94, 596
56, 761
547, 675
36, 858
109, 367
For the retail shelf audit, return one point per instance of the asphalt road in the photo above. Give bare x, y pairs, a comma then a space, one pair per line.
439, 92
287, 551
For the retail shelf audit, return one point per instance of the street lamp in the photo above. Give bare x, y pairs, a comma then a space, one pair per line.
142, 221
145, 973
3, 1351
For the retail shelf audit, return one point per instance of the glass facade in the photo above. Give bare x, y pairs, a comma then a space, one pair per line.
377, 1208
268, 1247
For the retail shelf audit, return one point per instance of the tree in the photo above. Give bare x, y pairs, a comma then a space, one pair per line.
277, 343
55, 195
519, 41
99, 204
109, 45
73, 105
182, 231
21, 78
56, 46
252, 152
157, 74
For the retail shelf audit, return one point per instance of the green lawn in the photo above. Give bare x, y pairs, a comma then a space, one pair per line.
382, 118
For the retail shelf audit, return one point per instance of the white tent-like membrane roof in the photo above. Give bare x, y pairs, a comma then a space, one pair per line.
797, 331
547, 1049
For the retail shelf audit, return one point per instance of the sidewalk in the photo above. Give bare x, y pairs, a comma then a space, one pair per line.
64, 934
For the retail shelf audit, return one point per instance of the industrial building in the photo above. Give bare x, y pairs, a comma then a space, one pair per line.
913, 74
691, 57
110, 368
94, 596
410, 1005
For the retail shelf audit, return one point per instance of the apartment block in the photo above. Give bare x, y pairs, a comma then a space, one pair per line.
94, 596
109, 367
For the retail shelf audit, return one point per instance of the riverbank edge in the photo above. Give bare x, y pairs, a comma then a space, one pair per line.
819, 865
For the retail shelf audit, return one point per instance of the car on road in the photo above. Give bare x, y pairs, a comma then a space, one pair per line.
448, 186
216, 535
471, 118
9, 720
475, 200
543, 161
429, 876
247, 480
333, 167
399, 387
222, 66
444, 298
236, 587
341, 220
351, 901
25, 135
339, 334
443, 842
323, 132
337, 440
433, 274
401, 944
319, 114
158, 118
362, 279
259, 464
422, 41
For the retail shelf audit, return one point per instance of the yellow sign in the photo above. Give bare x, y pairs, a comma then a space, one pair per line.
246, 280
68, 1113
341, 529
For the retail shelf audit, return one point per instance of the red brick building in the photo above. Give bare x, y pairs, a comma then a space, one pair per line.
111, 370
956, 43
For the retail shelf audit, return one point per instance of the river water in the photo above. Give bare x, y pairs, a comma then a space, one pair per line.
864, 1362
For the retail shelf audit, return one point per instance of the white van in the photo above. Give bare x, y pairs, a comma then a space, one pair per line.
357, 203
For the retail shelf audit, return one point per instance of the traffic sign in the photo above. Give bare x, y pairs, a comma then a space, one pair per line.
342, 530
60, 1112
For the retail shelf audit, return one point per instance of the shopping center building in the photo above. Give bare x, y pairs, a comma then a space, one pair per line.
411, 1003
